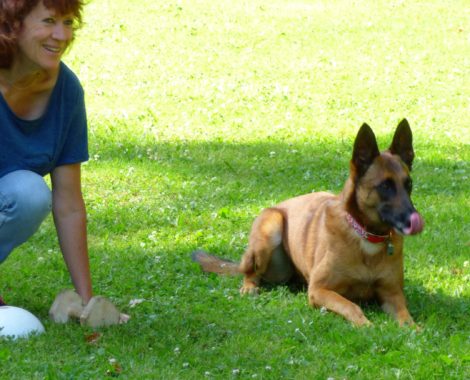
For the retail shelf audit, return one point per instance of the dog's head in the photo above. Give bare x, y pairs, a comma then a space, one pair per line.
382, 182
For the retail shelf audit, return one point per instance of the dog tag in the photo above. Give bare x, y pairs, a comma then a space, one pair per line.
390, 248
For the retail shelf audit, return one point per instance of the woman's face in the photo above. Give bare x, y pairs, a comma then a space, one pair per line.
43, 39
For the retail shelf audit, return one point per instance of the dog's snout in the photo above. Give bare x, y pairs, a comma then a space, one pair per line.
406, 222
415, 224
405, 217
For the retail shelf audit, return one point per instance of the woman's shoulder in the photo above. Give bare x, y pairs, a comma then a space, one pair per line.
68, 86
69, 78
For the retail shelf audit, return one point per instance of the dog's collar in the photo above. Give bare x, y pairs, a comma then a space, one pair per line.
361, 231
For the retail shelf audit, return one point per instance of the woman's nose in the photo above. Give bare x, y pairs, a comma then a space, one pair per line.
62, 32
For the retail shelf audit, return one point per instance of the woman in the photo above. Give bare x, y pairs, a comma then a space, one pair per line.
43, 130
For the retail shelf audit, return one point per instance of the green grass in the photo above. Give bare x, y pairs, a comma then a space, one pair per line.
201, 114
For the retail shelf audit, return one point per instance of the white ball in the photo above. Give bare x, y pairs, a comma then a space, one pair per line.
16, 322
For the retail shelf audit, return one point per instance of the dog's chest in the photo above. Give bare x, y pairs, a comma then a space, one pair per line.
361, 285
363, 278
360, 291
371, 249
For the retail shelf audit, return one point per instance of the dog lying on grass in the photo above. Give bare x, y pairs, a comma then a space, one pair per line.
345, 247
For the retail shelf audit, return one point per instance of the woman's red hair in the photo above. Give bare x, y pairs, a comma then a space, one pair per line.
12, 14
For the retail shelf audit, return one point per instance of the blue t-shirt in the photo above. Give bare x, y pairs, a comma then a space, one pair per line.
59, 137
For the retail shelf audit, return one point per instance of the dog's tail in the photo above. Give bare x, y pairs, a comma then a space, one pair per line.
214, 264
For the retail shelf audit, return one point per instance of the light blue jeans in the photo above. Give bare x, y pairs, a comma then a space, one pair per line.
25, 201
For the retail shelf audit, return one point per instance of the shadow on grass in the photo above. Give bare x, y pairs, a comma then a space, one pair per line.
435, 306
300, 165
183, 181
175, 282
279, 169
226, 176
431, 309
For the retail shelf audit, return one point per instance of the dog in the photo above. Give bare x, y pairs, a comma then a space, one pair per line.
346, 247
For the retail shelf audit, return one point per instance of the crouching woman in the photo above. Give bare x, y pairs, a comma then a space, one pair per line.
43, 130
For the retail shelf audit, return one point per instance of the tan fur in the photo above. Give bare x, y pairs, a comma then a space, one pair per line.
309, 236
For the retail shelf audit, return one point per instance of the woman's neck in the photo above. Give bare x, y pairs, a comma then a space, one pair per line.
35, 81
27, 92
26, 77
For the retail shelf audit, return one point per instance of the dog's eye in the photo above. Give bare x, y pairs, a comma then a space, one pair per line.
386, 188
408, 185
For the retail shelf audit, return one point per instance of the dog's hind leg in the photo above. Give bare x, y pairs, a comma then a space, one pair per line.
265, 240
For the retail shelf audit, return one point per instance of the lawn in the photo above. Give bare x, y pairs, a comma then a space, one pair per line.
201, 113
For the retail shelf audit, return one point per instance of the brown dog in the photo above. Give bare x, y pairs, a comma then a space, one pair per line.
345, 247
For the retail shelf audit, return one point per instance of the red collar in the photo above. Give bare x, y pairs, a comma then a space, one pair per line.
361, 231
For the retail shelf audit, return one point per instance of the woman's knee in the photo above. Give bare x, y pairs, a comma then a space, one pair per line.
25, 201
26, 195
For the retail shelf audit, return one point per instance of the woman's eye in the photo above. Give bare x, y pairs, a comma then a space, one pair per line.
49, 20
68, 22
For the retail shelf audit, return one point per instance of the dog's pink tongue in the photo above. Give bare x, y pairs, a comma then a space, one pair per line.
416, 224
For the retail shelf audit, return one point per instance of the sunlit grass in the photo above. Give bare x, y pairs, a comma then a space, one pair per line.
201, 114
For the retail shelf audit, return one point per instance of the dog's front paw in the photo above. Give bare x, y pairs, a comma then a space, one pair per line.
250, 286
251, 290
363, 322
409, 323
358, 318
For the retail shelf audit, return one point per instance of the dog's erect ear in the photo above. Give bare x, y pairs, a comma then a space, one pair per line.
402, 143
365, 150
